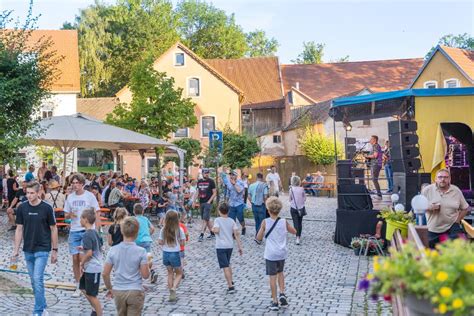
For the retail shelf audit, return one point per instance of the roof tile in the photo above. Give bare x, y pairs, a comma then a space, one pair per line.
97, 108
464, 58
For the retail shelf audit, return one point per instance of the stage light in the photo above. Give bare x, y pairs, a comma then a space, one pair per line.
348, 127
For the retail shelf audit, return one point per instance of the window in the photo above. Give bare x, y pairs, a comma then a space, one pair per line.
246, 115
194, 87
290, 97
179, 59
208, 123
366, 122
452, 83
181, 132
276, 139
431, 84
46, 114
151, 165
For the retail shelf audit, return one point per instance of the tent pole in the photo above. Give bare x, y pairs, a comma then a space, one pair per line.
181, 166
114, 155
142, 156
63, 179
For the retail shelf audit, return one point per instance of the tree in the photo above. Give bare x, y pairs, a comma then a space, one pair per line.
113, 38
68, 26
312, 53
192, 147
259, 45
209, 31
463, 41
319, 148
238, 149
27, 70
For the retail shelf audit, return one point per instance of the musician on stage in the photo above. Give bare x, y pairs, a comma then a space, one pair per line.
375, 156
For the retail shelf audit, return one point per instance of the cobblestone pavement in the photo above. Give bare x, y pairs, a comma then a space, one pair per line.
321, 277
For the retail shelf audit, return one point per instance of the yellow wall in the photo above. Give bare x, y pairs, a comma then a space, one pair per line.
440, 69
431, 111
216, 98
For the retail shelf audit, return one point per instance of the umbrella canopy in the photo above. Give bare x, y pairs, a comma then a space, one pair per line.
80, 131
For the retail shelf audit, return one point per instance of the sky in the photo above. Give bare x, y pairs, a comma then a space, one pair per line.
363, 30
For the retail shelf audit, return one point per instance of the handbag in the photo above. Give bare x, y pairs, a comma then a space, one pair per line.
301, 211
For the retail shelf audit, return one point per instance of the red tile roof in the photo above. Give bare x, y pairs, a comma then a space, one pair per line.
65, 43
258, 78
327, 81
463, 58
97, 108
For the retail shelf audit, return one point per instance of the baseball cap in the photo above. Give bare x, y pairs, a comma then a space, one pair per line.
205, 170
234, 173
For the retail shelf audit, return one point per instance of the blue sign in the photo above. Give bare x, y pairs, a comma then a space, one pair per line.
216, 139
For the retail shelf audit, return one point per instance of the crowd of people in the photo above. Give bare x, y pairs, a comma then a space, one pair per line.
31, 209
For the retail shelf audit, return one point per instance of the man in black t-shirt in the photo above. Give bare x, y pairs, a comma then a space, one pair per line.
20, 197
36, 226
207, 193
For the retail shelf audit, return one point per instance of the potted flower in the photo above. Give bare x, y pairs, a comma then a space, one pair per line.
396, 219
440, 281
373, 245
358, 243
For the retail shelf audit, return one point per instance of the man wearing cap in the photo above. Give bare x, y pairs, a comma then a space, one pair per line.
207, 193
116, 196
55, 197
235, 188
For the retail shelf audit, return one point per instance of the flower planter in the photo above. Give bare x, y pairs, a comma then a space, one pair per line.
392, 225
356, 251
420, 307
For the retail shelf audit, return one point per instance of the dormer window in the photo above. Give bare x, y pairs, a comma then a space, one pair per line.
179, 59
431, 84
452, 83
194, 87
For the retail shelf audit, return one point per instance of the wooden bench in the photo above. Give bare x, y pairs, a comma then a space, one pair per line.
329, 187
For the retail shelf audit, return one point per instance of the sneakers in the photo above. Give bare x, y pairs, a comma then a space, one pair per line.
231, 290
259, 242
172, 297
274, 306
93, 313
211, 236
298, 241
12, 228
77, 293
243, 231
201, 237
154, 276
283, 300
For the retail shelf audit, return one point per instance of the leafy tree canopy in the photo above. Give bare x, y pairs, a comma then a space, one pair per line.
238, 149
312, 53
319, 148
260, 45
192, 147
464, 41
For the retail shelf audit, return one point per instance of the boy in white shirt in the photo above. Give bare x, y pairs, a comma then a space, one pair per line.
225, 229
275, 231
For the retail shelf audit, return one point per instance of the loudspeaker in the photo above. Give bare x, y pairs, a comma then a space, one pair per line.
358, 174
408, 165
350, 140
395, 127
403, 140
404, 153
353, 197
408, 185
350, 147
343, 169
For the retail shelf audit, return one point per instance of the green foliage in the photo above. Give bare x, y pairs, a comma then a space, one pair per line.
192, 147
27, 69
259, 45
113, 38
157, 108
444, 276
50, 154
238, 149
312, 53
464, 41
396, 216
319, 148
209, 31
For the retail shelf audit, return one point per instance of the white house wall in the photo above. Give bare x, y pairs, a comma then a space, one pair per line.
61, 104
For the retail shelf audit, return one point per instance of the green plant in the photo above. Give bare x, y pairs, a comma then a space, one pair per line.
396, 216
358, 242
319, 148
444, 276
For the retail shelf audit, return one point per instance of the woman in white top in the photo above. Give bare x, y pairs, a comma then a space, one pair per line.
297, 204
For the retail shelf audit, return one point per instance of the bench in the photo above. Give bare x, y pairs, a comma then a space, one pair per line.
328, 187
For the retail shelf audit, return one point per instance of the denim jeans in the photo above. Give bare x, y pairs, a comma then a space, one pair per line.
237, 213
389, 176
259, 215
36, 264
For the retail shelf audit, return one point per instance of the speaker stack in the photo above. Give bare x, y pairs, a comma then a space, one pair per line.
350, 147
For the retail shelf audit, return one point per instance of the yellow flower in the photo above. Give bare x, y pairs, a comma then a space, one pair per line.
441, 276
428, 274
427, 252
458, 303
469, 267
369, 276
434, 253
386, 265
445, 291
442, 308
376, 266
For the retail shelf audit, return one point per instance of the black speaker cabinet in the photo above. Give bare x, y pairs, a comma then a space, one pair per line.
402, 127
343, 169
409, 185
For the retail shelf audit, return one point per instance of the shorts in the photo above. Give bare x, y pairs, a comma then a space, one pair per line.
75, 240
223, 257
161, 214
181, 254
146, 245
237, 213
90, 283
171, 259
274, 267
205, 211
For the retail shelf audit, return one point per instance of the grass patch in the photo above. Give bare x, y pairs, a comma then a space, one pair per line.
91, 169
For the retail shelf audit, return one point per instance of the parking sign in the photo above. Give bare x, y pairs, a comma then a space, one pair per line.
216, 139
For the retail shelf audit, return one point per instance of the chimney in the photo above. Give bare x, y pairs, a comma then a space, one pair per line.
297, 86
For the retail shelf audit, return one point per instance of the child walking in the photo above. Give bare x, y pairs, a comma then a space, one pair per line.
275, 231
130, 266
115, 237
91, 261
144, 236
171, 238
224, 229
